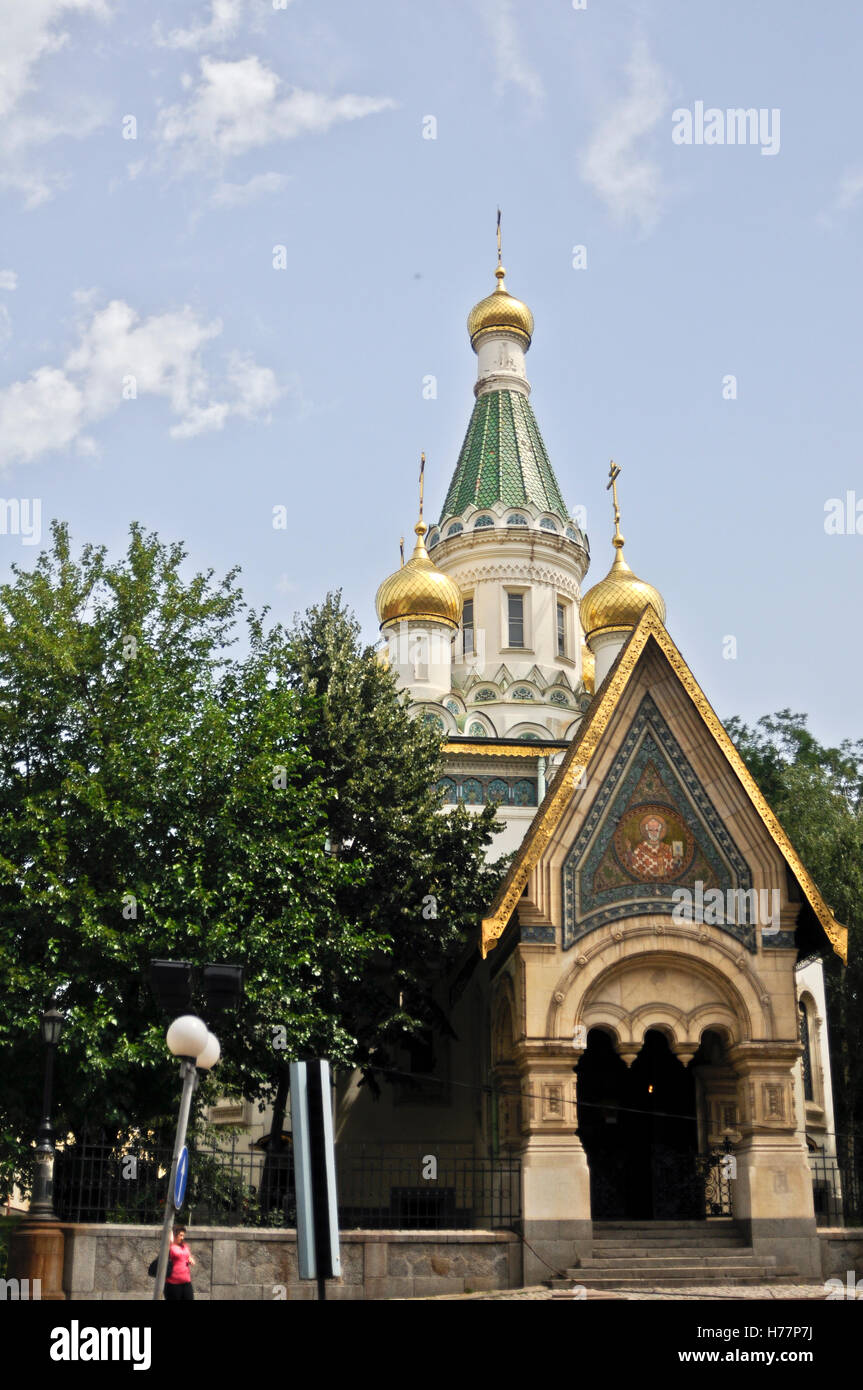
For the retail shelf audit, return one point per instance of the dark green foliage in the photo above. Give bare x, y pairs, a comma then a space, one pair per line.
817, 794
160, 797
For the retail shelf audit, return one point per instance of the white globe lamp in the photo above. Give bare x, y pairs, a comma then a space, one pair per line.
187, 1036
210, 1054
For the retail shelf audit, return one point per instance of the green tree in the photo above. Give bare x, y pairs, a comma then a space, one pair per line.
427, 879
817, 794
162, 797
157, 799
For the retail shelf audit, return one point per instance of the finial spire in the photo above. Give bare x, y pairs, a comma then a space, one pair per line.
402, 550
614, 474
500, 272
422, 481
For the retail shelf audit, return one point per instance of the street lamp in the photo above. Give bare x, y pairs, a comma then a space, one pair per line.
190, 1039
42, 1205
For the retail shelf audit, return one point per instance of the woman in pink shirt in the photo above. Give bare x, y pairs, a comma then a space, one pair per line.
178, 1285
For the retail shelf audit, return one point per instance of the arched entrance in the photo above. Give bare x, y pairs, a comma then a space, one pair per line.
638, 1125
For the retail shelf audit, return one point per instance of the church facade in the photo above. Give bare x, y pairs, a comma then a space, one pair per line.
646, 991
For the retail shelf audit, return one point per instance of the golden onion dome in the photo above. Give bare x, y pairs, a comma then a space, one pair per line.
419, 590
618, 600
588, 668
500, 311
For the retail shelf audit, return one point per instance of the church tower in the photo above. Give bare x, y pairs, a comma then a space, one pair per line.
482, 624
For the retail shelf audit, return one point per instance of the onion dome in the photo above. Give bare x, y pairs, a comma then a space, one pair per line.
618, 601
588, 668
419, 590
500, 312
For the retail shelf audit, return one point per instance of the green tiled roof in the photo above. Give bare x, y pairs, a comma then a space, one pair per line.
503, 459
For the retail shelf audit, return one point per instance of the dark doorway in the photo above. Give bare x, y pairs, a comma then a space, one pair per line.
637, 1125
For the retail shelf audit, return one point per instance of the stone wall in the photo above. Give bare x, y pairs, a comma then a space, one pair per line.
841, 1251
110, 1262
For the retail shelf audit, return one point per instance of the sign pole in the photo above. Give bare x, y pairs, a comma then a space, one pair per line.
189, 1073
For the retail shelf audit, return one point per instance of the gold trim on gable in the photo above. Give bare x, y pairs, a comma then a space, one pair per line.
575, 764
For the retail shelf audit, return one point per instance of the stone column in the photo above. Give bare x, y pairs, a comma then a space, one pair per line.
772, 1190
555, 1175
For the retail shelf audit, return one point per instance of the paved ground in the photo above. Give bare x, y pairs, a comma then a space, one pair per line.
692, 1294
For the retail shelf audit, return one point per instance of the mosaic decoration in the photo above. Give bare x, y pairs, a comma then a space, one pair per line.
529, 737
572, 533
558, 697
483, 521
478, 791
524, 792
446, 787
452, 707
521, 693
432, 540
434, 721
537, 933
478, 730
516, 521
651, 829
547, 524
485, 695
471, 791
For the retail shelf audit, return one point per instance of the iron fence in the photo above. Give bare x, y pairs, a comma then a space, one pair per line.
401, 1187
837, 1183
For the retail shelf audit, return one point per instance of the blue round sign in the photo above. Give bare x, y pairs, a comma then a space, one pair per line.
181, 1178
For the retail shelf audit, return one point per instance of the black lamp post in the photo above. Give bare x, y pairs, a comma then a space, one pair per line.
42, 1205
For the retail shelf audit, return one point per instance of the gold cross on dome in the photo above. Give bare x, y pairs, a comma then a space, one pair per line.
422, 481
613, 475
498, 237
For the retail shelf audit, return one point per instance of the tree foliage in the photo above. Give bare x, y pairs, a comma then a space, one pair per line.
817, 794
161, 796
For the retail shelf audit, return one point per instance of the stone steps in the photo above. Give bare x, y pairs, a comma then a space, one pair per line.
696, 1275
740, 1259
654, 1254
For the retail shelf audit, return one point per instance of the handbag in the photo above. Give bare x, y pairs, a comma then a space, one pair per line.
154, 1265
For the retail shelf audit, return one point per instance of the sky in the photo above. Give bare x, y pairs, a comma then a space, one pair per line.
239, 237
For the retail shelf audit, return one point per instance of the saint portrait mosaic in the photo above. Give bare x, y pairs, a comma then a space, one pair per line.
650, 830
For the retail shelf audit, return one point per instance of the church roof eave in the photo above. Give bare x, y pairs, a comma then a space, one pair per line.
579, 754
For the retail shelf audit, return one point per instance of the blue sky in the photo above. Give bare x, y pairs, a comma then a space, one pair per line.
255, 387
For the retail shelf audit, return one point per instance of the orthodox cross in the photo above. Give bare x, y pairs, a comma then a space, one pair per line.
614, 474
422, 479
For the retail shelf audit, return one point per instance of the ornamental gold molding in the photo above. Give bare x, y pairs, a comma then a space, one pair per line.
575, 764
522, 749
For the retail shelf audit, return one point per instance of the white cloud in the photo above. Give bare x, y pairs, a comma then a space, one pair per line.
222, 24
628, 182
32, 30
239, 106
159, 356
512, 67
8, 279
45, 412
5, 326
234, 195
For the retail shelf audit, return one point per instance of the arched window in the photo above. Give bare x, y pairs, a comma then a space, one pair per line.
483, 521
806, 1059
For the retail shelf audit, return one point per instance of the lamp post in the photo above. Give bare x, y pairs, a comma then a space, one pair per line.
42, 1205
36, 1246
189, 1039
